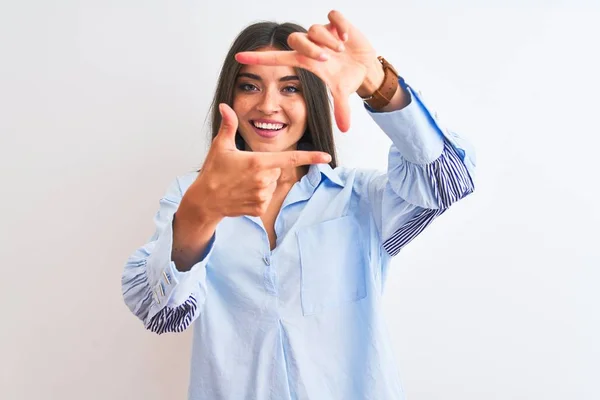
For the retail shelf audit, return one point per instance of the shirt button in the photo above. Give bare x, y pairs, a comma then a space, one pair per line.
266, 260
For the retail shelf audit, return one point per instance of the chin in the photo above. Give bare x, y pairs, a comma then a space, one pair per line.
266, 147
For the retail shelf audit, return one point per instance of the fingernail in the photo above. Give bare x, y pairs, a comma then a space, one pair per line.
323, 57
345, 37
341, 47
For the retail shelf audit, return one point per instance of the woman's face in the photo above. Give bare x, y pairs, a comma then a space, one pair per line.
270, 107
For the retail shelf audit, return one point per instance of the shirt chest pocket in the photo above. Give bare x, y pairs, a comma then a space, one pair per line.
333, 264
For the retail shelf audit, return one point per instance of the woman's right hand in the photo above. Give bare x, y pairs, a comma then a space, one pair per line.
233, 182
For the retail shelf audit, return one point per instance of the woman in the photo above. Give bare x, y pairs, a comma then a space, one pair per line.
278, 255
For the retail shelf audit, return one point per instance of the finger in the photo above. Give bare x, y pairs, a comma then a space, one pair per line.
321, 36
340, 23
267, 177
229, 124
274, 174
262, 195
271, 58
296, 158
273, 186
341, 109
255, 210
303, 45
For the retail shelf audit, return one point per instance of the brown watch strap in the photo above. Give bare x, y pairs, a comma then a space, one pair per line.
383, 95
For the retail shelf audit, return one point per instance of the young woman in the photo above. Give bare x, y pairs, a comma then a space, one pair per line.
277, 254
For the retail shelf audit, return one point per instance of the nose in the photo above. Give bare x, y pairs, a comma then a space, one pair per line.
269, 101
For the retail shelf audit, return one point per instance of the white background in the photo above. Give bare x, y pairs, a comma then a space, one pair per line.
103, 103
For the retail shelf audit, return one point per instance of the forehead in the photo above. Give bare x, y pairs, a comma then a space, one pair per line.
268, 72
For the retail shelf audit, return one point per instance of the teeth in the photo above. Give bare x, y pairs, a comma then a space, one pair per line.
272, 127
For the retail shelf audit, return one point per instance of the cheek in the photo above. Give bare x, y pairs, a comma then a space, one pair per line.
240, 105
298, 111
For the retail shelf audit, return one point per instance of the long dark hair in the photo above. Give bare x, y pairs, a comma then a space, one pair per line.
319, 132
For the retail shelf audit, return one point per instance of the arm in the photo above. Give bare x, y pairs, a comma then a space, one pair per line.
163, 297
429, 169
192, 236
164, 281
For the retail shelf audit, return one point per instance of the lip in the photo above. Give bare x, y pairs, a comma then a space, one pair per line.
266, 133
268, 121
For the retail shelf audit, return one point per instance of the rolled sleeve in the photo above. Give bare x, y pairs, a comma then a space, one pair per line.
412, 129
164, 276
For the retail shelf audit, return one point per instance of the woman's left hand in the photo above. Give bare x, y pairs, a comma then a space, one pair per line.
337, 53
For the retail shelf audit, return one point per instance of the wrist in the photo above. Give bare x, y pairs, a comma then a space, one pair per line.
191, 239
196, 216
197, 202
188, 230
373, 79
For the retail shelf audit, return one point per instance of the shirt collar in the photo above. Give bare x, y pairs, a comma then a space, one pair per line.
317, 171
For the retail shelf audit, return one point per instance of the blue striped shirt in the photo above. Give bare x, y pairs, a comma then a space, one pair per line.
303, 321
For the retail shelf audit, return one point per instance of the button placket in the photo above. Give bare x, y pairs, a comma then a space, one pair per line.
269, 275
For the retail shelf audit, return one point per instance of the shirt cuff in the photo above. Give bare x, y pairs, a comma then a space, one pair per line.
412, 129
164, 276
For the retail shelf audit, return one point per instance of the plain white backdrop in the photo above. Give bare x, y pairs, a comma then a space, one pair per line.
103, 103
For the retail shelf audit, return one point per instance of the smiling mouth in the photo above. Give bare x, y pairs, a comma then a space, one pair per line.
263, 126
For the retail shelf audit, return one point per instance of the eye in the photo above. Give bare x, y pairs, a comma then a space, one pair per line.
291, 89
247, 87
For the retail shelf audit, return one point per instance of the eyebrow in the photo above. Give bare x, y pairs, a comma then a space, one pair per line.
258, 78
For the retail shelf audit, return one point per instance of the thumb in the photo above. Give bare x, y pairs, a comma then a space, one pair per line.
341, 109
229, 124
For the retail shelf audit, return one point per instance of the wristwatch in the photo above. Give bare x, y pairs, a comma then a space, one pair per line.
383, 95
